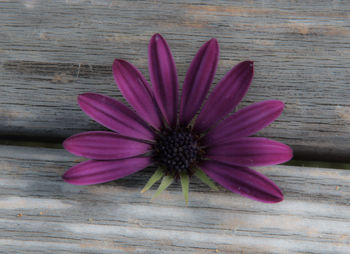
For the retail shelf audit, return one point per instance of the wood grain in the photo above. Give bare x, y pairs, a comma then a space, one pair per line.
41, 213
51, 51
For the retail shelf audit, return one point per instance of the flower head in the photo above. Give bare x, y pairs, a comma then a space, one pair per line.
160, 131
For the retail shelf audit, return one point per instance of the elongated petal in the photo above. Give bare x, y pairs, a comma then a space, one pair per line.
163, 77
243, 181
103, 145
93, 172
226, 95
198, 80
137, 91
250, 152
245, 122
114, 115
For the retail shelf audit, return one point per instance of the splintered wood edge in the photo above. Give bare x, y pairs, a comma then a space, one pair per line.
41, 212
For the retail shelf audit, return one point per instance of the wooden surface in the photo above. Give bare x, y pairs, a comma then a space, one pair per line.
41, 213
51, 51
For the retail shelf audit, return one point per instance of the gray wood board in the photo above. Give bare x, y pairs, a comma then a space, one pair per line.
41, 213
51, 51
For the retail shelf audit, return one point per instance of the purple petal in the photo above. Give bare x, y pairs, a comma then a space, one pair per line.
250, 152
114, 115
198, 80
164, 78
137, 91
103, 145
93, 172
245, 122
243, 181
226, 95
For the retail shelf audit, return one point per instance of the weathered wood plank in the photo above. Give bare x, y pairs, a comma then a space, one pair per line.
39, 212
50, 51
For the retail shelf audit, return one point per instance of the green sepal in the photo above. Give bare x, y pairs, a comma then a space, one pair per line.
185, 182
154, 178
205, 179
166, 181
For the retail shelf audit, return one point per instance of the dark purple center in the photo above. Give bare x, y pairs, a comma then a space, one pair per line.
176, 151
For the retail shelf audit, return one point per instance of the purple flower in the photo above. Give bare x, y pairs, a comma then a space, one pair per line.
162, 132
